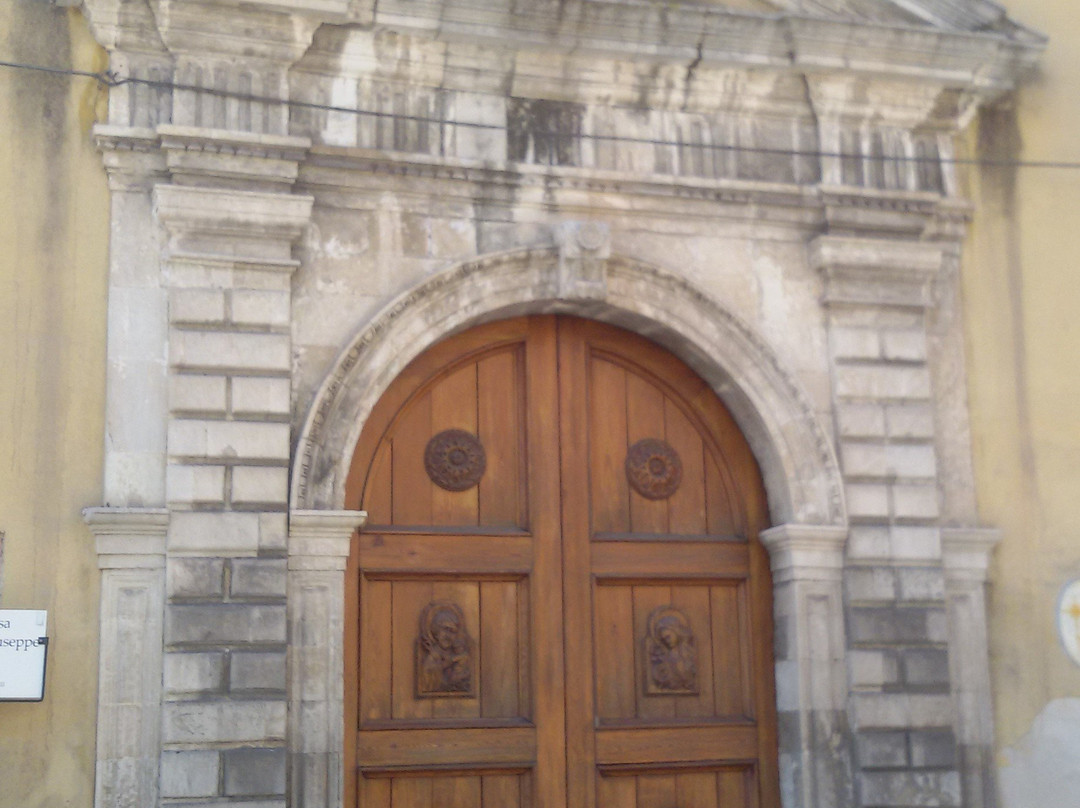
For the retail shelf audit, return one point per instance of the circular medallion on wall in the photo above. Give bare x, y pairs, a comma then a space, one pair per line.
653, 468
1068, 619
455, 460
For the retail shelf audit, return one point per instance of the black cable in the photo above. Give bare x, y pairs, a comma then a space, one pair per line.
112, 80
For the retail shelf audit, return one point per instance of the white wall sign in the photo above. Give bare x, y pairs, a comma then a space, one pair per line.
1069, 619
23, 646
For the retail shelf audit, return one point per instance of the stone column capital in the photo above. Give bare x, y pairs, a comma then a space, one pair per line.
129, 538
877, 271
966, 552
800, 552
319, 540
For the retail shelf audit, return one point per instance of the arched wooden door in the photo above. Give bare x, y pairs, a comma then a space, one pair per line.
560, 599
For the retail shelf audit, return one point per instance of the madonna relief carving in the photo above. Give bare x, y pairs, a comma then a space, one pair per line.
443, 653
670, 655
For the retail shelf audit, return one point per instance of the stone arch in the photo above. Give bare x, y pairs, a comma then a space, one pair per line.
801, 474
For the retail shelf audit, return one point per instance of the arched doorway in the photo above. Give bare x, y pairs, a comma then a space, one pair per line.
560, 598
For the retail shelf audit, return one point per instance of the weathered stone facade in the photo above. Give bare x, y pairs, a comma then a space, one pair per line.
307, 194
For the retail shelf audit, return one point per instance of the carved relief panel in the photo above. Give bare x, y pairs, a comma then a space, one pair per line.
671, 652
670, 656
444, 653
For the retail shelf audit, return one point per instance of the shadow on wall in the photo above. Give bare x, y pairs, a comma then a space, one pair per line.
1043, 769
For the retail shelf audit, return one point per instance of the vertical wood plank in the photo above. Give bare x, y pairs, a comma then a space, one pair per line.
644, 419
375, 650
616, 792
408, 600
455, 792
501, 791
746, 644
615, 652
722, 516
499, 412
411, 486
687, 505
731, 788
499, 642
693, 601
606, 398
656, 791
696, 790
466, 595
377, 490
375, 792
525, 649
410, 792
728, 651
646, 599
453, 406
582, 466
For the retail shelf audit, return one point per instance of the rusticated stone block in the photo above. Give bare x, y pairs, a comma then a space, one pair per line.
928, 789
933, 748
194, 672
203, 722
195, 577
254, 772
225, 623
257, 671
926, 667
882, 750
258, 577
896, 625
189, 773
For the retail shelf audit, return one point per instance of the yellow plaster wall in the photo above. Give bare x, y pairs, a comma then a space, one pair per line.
53, 262
1022, 309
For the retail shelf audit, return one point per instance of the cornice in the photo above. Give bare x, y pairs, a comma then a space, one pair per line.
989, 61
800, 553
128, 538
707, 35
892, 214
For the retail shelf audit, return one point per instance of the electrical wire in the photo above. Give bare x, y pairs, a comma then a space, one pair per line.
112, 80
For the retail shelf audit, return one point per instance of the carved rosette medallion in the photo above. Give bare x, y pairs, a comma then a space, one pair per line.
455, 460
670, 654
653, 469
444, 653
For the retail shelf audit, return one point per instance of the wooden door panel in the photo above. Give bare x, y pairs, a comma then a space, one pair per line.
626, 404
483, 789
613, 624
482, 394
671, 531
727, 787
403, 682
640, 681
500, 407
446, 553
650, 558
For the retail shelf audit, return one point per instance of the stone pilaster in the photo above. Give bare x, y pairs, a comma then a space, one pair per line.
131, 556
877, 293
228, 222
318, 548
811, 683
966, 554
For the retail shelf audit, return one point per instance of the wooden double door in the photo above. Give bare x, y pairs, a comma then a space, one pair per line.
560, 599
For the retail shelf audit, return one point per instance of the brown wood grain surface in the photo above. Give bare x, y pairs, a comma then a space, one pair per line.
573, 596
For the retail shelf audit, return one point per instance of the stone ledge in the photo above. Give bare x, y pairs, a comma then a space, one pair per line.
128, 537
